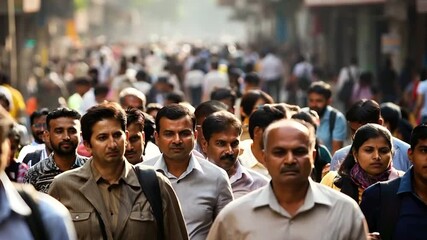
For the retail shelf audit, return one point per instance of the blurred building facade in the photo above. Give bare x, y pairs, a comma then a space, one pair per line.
333, 31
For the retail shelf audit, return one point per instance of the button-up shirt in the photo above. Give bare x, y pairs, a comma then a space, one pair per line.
258, 215
245, 181
41, 175
248, 159
203, 191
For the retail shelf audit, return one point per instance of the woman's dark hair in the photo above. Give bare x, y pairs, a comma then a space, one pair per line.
250, 98
364, 133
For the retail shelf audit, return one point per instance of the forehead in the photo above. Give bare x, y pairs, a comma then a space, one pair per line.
421, 143
64, 121
316, 96
376, 140
182, 123
228, 134
134, 128
287, 135
106, 126
42, 118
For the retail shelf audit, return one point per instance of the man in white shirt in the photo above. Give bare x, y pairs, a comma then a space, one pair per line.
203, 189
214, 79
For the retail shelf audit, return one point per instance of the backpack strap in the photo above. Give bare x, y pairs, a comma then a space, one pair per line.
332, 119
34, 220
389, 208
150, 186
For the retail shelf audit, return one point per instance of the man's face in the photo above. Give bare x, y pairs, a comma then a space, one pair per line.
132, 101
199, 123
287, 155
38, 127
418, 157
64, 135
223, 148
176, 138
318, 103
135, 145
107, 143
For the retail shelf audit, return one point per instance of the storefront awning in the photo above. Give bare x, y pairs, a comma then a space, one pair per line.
321, 3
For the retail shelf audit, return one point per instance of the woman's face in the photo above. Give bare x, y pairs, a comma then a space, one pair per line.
374, 156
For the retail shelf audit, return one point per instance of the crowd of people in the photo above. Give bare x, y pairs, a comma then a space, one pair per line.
211, 146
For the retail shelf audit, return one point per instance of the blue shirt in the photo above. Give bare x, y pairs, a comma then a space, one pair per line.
412, 223
13, 211
400, 156
339, 133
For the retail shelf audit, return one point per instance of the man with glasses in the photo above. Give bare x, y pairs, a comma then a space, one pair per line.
38, 126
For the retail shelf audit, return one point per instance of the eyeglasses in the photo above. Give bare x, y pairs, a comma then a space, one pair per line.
39, 125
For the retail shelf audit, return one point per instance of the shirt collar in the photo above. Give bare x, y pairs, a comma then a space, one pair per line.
128, 175
241, 172
405, 185
192, 164
11, 200
313, 196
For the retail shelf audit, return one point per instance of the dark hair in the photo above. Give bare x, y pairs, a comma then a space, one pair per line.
149, 127
223, 93
321, 88
101, 90
250, 98
391, 113
364, 111
62, 112
307, 116
174, 112
207, 108
363, 134
214, 64
107, 110
263, 117
38, 114
419, 132
82, 81
174, 97
134, 115
252, 78
219, 122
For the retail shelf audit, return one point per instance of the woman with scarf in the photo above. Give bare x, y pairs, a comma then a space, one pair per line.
368, 161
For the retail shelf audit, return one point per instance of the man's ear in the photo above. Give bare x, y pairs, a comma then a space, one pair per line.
381, 121
156, 137
204, 145
257, 131
87, 146
410, 154
196, 133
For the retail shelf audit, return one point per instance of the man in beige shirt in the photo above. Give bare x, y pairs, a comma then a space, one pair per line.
292, 206
104, 196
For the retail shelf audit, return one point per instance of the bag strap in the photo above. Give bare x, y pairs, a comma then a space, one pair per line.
332, 118
150, 186
34, 220
389, 208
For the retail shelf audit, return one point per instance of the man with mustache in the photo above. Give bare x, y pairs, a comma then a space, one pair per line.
63, 133
202, 188
222, 132
136, 140
332, 130
105, 196
292, 205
